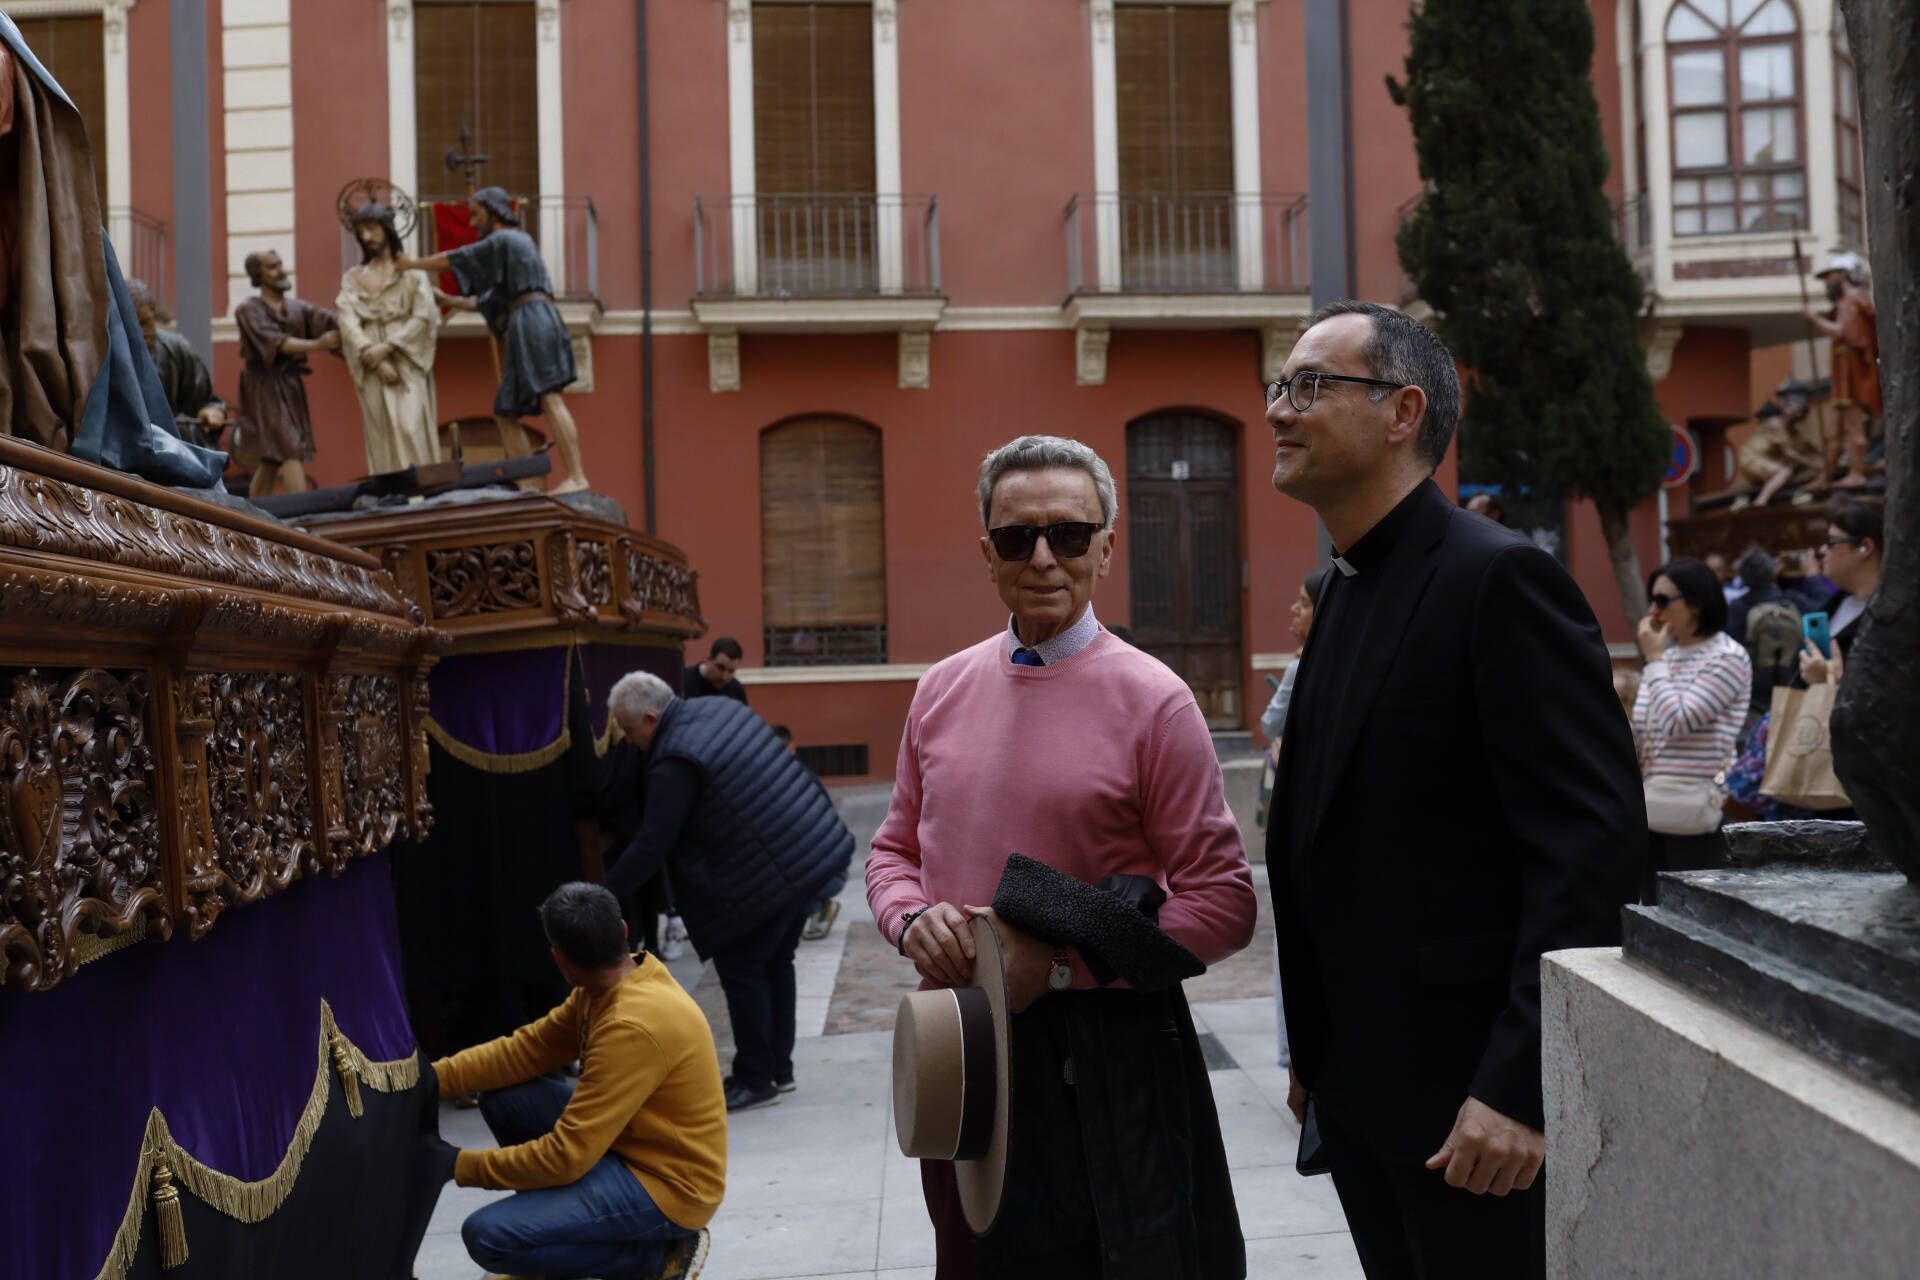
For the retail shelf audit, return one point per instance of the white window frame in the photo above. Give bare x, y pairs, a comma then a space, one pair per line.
403, 136
116, 201
889, 239
1244, 55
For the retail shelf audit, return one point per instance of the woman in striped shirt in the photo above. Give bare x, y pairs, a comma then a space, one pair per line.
1687, 716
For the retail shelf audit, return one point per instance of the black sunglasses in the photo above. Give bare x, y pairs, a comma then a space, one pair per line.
1067, 539
1661, 599
1303, 386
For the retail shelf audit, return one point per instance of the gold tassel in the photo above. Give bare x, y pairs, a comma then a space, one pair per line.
166, 1213
349, 1075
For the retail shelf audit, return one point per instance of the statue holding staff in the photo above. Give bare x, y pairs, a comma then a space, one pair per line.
502, 276
389, 324
1854, 328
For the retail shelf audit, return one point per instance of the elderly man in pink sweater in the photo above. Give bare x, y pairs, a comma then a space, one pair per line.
1055, 739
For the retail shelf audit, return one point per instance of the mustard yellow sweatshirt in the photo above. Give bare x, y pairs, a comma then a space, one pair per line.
649, 1091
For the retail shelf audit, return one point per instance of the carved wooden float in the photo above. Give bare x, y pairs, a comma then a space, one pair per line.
197, 707
525, 569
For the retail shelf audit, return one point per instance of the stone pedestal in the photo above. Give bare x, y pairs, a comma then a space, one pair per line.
1686, 1141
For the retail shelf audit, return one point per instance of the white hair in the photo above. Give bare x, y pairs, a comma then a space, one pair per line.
637, 694
1044, 453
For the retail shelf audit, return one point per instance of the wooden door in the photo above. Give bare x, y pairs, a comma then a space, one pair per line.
1183, 534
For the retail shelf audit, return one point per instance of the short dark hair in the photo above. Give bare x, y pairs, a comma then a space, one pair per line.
583, 922
1755, 567
727, 645
255, 264
1403, 350
1860, 518
1700, 587
781, 732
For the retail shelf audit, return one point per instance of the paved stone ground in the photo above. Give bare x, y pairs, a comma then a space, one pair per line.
816, 1185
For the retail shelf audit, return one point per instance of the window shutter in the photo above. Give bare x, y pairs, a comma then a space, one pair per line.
822, 536
474, 65
73, 48
813, 99
1175, 92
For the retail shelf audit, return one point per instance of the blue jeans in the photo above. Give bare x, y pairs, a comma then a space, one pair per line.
604, 1225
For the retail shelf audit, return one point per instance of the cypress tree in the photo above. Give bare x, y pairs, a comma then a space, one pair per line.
1513, 246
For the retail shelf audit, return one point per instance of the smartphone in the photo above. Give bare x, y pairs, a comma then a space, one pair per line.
1814, 627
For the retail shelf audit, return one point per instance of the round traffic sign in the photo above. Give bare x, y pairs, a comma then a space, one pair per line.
1683, 461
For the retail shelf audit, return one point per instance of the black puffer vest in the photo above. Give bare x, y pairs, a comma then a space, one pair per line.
763, 837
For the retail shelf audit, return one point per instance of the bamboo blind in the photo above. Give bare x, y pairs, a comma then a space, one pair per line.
813, 98
1175, 99
73, 48
474, 65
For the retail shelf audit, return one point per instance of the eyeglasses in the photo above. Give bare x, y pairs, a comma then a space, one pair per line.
1838, 542
1067, 539
1661, 599
1303, 386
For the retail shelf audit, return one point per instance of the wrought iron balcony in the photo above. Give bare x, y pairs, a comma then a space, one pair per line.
140, 241
567, 229
816, 246
1187, 244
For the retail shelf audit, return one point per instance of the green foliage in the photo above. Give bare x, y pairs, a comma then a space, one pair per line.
1513, 246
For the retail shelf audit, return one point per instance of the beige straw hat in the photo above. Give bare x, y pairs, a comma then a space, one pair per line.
950, 1077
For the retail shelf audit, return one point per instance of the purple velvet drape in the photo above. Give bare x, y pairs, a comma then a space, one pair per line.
221, 1034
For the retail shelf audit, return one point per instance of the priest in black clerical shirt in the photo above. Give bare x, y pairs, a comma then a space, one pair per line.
1457, 793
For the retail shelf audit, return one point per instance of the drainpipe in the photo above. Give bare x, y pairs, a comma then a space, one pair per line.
646, 269
192, 178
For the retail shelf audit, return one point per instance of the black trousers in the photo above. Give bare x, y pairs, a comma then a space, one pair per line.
1408, 1224
756, 973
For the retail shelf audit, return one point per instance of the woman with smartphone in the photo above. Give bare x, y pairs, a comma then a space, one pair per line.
1687, 716
1850, 556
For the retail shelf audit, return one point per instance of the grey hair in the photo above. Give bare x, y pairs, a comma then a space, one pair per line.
638, 693
584, 923
1403, 350
1044, 453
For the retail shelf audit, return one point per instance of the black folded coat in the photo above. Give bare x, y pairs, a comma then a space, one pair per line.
1113, 924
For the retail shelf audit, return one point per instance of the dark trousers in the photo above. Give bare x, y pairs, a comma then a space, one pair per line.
1408, 1224
1681, 853
756, 973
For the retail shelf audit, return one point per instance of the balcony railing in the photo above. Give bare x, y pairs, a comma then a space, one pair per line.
1140, 243
140, 241
816, 246
567, 229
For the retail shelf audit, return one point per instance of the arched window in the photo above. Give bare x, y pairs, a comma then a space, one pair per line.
823, 564
1734, 79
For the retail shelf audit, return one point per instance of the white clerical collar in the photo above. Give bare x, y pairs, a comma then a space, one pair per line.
1346, 570
1060, 647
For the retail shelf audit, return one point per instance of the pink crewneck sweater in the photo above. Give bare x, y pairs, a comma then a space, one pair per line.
1099, 765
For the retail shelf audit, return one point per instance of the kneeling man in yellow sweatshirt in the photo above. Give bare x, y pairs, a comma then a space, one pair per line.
619, 1173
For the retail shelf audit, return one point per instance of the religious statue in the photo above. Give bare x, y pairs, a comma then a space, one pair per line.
389, 323
277, 333
1852, 325
199, 416
74, 375
1780, 451
502, 276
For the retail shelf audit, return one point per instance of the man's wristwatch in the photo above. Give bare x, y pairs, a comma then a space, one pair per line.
1060, 977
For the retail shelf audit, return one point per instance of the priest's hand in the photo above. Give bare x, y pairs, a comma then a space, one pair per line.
1029, 961
1489, 1152
940, 945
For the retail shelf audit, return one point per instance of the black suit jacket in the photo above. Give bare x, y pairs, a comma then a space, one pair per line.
1481, 804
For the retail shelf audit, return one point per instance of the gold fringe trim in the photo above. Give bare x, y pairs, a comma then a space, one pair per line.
88, 947
164, 1162
522, 762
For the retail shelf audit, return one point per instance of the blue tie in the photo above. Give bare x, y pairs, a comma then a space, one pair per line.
1028, 658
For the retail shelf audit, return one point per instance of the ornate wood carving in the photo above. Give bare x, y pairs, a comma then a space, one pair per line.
596, 572
485, 579
80, 839
162, 720
528, 566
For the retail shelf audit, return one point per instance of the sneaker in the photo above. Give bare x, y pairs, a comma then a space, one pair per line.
740, 1098
820, 923
687, 1258
779, 1086
674, 944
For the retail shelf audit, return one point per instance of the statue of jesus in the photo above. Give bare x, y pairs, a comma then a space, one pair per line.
388, 326
501, 275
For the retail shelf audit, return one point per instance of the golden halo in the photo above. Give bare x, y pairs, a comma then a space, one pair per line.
363, 191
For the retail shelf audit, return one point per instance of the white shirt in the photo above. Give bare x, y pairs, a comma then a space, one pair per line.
1061, 647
